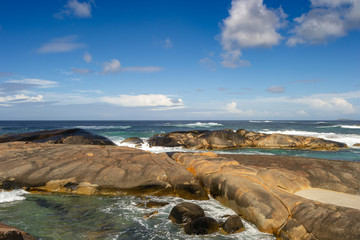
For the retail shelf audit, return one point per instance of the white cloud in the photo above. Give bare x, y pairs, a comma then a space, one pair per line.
19, 98
327, 19
167, 43
145, 100
112, 67
231, 59
232, 108
142, 69
87, 57
38, 83
276, 89
250, 24
63, 44
76, 9
334, 104
89, 91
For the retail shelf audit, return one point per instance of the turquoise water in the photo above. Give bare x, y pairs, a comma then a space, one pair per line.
342, 131
82, 217
79, 217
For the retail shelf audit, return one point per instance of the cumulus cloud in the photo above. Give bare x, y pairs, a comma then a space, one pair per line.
112, 67
276, 89
327, 19
232, 108
62, 44
87, 57
145, 100
77, 9
19, 98
250, 24
333, 104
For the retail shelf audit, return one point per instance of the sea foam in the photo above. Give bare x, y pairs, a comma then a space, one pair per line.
349, 139
11, 196
197, 124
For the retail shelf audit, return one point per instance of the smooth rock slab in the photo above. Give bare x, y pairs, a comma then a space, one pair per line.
11, 233
93, 169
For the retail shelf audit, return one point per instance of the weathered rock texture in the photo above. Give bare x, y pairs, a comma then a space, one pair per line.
59, 136
228, 139
11, 233
186, 212
92, 169
260, 189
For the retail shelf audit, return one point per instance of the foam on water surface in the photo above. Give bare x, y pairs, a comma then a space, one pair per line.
11, 196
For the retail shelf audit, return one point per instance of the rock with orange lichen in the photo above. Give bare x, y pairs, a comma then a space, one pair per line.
93, 169
260, 189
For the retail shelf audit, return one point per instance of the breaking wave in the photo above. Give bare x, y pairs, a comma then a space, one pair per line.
11, 196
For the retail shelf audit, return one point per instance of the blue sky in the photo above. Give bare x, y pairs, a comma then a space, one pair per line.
133, 60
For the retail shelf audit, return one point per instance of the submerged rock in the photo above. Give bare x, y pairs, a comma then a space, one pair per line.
154, 204
233, 225
201, 226
58, 136
185, 212
11, 233
356, 145
133, 140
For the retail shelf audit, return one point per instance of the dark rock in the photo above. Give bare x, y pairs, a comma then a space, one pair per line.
154, 204
218, 139
133, 140
356, 145
11, 233
185, 212
233, 225
58, 136
201, 226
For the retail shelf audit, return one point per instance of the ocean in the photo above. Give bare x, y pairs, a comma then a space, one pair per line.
52, 216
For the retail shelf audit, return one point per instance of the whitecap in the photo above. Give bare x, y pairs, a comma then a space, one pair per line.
11, 196
197, 124
349, 139
103, 127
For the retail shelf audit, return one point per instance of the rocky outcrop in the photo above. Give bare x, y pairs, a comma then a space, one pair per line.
92, 169
58, 136
356, 145
228, 139
260, 189
219, 139
11, 233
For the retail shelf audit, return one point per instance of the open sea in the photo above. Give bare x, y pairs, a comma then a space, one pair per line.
52, 216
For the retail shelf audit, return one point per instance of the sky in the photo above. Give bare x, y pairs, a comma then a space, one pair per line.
179, 60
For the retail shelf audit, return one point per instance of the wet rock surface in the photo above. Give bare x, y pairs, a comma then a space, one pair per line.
186, 212
201, 226
11, 233
233, 225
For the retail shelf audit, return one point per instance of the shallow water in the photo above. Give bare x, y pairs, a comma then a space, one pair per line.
83, 217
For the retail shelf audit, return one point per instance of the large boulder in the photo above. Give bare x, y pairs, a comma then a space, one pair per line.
11, 233
228, 139
201, 226
133, 140
212, 140
186, 212
92, 169
261, 190
58, 136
